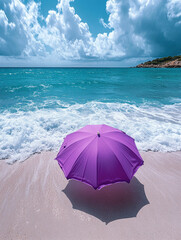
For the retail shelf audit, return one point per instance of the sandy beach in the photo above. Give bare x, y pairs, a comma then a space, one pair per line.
37, 202
94, 84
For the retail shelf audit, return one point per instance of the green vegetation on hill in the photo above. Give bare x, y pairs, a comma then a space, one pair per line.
163, 60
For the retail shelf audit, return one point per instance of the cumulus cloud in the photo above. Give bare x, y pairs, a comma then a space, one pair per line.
65, 33
146, 27
137, 28
18, 28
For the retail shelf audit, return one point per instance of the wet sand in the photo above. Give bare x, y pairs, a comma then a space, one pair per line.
37, 202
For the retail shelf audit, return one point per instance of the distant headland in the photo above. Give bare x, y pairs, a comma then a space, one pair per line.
166, 62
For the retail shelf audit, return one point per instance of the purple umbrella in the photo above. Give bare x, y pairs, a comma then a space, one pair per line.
99, 155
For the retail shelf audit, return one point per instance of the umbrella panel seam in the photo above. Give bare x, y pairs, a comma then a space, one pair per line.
79, 156
117, 159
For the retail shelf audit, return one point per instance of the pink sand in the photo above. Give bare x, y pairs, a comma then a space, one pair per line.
34, 207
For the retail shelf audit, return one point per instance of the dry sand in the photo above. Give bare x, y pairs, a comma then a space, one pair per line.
37, 202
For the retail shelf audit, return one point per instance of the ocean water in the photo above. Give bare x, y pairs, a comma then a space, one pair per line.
40, 106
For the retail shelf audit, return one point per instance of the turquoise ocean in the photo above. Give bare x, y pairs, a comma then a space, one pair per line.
40, 106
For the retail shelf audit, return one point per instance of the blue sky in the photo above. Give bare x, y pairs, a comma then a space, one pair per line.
88, 32
86, 10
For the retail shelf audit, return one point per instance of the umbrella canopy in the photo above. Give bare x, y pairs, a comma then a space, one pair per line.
99, 155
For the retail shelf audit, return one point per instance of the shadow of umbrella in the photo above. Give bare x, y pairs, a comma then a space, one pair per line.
116, 201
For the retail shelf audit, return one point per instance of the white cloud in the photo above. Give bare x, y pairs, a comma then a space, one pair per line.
105, 25
174, 9
145, 27
65, 33
18, 29
138, 28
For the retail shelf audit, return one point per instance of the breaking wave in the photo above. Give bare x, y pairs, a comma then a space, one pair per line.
25, 133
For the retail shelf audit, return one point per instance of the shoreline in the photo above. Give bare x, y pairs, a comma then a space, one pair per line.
38, 202
56, 152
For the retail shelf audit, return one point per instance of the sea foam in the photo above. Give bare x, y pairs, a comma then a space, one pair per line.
25, 133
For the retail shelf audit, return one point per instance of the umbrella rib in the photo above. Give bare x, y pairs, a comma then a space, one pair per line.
123, 145
87, 159
79, 156
119, 132
116, 159
83, 132
69, 147
132, 165
77, 142
131, 151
